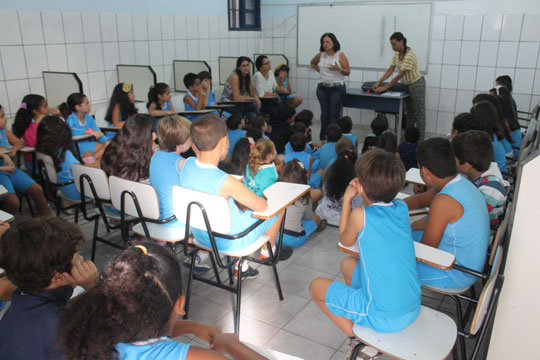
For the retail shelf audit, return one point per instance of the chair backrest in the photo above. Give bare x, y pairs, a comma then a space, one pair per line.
99, 116
501, 231
49, 168
99, 180
145, 195
487, 293
216, 207
141, 107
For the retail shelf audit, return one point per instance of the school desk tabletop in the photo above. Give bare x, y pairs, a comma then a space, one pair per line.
220, 108
112, 128
3, 191
5, 216
195, 112
279, 196
424, 253
413, 176
388, 102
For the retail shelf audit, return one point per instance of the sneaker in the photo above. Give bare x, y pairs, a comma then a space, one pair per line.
353, 343
250, 273
322, 225
200, 266
286, 252
366, 352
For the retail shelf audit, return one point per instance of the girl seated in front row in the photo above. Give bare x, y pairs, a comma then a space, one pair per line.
54, 140
300, 222
132, 314
159, 102
13, 178
261, 170
121, 106
76, 111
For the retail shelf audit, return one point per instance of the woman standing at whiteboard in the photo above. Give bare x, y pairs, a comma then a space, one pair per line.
333, 66
405, 61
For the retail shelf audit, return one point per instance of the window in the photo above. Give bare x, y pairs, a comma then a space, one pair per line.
244, 14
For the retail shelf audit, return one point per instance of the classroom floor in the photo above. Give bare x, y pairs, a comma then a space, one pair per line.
295, 325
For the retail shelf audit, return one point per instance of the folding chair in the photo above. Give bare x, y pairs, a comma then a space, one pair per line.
211, 213
51, 188
140, 201
93, 183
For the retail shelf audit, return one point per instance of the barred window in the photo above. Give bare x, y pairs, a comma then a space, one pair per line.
244, 14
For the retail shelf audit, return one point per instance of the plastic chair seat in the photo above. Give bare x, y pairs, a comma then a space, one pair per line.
447, 291
431, 336
250, 249
161, 232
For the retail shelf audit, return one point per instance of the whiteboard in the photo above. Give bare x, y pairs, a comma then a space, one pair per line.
59, 85
364, 30
183, 67
141, 76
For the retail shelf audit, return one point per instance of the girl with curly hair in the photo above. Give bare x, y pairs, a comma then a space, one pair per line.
132, 314
129, 153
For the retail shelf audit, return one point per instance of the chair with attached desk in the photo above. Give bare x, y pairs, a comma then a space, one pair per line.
211, 213
140, 201
94, 184
51, 186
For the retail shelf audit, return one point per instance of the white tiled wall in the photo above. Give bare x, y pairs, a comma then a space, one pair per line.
92, 44
467, 52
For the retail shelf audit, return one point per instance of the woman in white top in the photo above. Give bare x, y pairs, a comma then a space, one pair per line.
405, 61
333, 66
267, 88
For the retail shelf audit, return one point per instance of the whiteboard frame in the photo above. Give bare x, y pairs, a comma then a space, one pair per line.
49, 95
141, 95
426, 71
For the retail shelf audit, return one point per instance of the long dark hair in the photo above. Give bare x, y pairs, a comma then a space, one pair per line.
334, 39
399, 37
158, 89
508, 111
23, 117
120, 97
243, 81
294, 172
500, 127
129, 153
133, 302
485, 117
68, 107
340, 173
239, 158
54, 139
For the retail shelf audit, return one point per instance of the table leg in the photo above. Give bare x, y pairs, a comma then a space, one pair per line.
398, 121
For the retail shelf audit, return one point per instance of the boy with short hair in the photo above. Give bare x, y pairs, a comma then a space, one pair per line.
209, 135
328, 150
298, 151
41, 258
346, 126
197, 97
235, 125
378, 126
382, 290
458, 221
280, 131
473, 151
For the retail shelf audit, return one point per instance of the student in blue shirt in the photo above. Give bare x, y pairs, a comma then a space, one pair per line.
79, 120
206, 84
133, 314
485, 119
328, 151
458, 220
346, 126
381, 290
159, 102
235, 126
41, 259
196, 98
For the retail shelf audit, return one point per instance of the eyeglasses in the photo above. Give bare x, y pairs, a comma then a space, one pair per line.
266, 63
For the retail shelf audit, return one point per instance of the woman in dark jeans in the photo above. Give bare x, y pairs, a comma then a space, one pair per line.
333, 66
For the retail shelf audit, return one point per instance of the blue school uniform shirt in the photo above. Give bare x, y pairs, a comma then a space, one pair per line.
289, 149
468, 237
79, 129
327, 155
499, 154
353, 139
234, 136
164, 174
208, 178
161, 348
517, 136
188, 107
388, 261
301, 156
29, 327
265, 176
66, 174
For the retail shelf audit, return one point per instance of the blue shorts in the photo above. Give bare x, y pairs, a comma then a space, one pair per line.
295, 241
87, 146
315, 180
236, 244
19, 181
70, 192
351, 303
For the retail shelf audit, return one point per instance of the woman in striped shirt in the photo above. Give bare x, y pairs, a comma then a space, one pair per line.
405, 61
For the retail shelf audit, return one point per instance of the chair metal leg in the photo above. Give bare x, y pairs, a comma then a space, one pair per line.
356, 350
214, 266
94, 240
461, 327
274, 269
190, 281
238, 298
230, 269
77, 215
